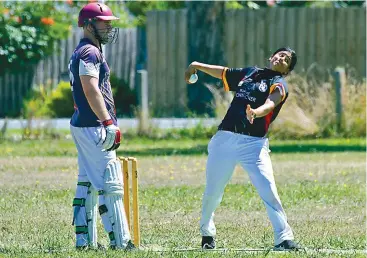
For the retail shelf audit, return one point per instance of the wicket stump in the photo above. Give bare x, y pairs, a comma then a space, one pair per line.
134, 227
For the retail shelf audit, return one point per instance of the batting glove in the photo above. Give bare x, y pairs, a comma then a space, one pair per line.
113, 136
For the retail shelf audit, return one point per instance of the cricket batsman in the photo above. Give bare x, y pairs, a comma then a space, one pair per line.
96, 135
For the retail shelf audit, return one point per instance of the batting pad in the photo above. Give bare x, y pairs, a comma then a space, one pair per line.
85, 215
91, 209
111, 206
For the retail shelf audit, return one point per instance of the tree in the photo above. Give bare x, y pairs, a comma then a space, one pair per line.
140, 8
206, 21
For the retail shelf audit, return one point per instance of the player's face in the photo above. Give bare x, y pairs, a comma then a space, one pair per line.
281, 61
105, 31
103, 28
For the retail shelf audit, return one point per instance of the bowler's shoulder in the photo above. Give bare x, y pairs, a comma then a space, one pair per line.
279, 80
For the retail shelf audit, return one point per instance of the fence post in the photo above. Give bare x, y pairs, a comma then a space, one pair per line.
143, 103
340, 81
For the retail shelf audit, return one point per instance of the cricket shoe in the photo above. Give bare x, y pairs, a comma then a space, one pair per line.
287, 245
129, 247
99, 247
207, 242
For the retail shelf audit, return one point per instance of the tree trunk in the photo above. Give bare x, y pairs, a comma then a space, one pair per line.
206, 44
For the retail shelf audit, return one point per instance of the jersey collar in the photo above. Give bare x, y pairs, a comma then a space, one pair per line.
269, 71
87, 40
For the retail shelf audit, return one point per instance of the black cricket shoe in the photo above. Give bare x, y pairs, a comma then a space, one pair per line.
207, 242
99, 247
287, 245
130, 246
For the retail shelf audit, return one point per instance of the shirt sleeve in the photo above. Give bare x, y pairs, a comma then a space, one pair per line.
232, 76
90, 62
280, 84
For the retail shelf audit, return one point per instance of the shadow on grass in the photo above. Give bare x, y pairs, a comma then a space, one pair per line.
287, 148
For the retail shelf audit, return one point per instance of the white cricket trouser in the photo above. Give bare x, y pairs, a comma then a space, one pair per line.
102, 170
226, 149
92, 161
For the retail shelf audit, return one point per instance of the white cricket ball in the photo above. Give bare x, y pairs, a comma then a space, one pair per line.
193, 78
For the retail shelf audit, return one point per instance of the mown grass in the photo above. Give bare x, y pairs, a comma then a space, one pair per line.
322, 215
323, 194
148, 147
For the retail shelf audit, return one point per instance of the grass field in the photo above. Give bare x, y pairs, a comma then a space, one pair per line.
321, 184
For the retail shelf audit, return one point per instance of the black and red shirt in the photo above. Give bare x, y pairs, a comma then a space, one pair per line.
252, 85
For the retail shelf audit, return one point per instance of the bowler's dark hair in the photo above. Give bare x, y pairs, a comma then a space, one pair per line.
293, 56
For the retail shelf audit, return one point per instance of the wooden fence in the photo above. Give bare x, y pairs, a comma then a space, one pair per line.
120, 56
167, 59
329, 37
325, 36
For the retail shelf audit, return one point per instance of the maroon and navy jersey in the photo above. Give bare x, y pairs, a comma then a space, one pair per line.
87, 59
252, 85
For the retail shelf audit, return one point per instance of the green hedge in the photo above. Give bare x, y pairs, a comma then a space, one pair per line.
44, 102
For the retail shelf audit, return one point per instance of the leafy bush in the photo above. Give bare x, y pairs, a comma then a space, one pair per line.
34, 104
44, 102
140, 8
28, 31
34, 108
60, 103
124, 97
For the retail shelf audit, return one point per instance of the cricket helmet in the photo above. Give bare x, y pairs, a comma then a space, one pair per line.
94, 12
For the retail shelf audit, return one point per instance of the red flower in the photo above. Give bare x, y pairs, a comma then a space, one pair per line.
47, 21
16, 19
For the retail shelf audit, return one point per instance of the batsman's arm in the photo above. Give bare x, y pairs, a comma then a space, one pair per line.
94, 97
213, 70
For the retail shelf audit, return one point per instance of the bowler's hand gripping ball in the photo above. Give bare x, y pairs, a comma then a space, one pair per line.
193, 78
